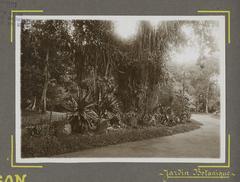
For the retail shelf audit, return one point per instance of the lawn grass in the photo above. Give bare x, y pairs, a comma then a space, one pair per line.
46, 146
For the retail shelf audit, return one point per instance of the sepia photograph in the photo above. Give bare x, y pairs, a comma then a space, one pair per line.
120, 89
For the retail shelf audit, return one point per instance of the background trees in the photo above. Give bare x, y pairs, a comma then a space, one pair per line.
44, 59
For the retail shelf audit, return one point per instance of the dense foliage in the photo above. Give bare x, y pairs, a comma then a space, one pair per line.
81, 67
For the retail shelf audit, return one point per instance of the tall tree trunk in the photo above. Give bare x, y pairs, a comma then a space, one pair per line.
45, 85
183, 92
78, 91
95, 76
207, 99
108, 63
33, 107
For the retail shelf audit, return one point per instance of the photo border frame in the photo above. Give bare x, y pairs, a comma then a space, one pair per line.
222, 158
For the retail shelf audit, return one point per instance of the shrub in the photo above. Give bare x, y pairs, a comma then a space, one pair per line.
83, 117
